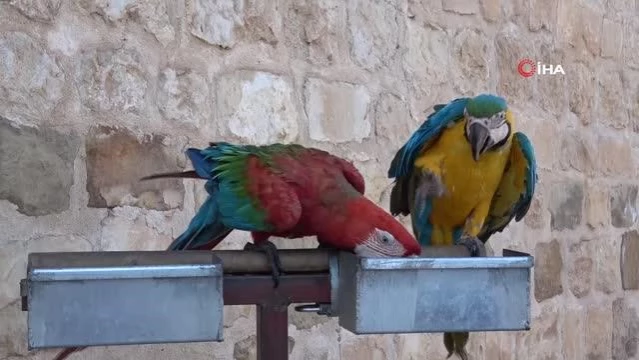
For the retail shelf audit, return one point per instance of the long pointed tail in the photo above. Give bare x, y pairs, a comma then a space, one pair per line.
455, 343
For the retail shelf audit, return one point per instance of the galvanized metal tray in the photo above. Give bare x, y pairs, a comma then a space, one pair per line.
421, 295
122, 297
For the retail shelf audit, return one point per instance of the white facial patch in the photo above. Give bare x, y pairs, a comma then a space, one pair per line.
499, 133
380, 244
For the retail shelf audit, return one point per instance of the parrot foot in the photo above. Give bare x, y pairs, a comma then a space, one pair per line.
270, 250
474, 245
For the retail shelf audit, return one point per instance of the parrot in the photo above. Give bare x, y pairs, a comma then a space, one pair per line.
463, 175
285, 190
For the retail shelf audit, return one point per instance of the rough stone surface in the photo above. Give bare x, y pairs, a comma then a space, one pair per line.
375, 46
36, 168
328, 104
258, 107
625, 330
138, 81
630, 260
623, 206
112, 80
548, 271
184, 97
39, 10
31, 80
117, 159
217, 22
566, 203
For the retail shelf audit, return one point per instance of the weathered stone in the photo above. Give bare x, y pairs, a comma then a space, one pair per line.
623, 205
548, 271
462, 7
631, 89
597, 205
245, 348
491, 9
184, 97
572, 333
607, 277
36, 168
31, 81
39, 10
581, 87
612, 33
543, 15
217, 22
542, 337
305, 321
374, 30
615, 155
323, 40
598, 333
471, 52
580, 269
630, 260
578, 152
611, 98
552, 87
511, 49
329, 104
566, 202
117, 159
580, 26
112, 80
392, 119
365, 348
625, 330
426, 61
537, 216
258, 106
631, 44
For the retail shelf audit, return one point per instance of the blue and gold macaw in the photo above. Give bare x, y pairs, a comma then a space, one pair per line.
462, 176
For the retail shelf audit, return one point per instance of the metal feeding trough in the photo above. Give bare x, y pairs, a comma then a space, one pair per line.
431, 294
114, 298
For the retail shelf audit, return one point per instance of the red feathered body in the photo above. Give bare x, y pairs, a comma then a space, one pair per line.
332, 206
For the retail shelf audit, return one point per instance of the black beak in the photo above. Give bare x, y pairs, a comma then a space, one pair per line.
478, 136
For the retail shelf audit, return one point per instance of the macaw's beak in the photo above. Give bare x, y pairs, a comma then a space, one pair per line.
478, 136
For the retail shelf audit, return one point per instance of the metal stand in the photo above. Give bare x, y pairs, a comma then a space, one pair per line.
307, 281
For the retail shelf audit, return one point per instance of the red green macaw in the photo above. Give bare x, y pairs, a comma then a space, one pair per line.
463, 175
286, 191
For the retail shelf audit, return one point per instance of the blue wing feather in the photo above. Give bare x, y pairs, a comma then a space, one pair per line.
531, 175
430, 130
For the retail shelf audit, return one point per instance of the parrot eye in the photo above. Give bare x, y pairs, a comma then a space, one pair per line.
385, 239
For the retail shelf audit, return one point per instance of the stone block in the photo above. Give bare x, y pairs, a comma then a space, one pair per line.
548, 268
471, 52
184, 97
543, 15
337, 111
511, 47
462, 7
565, 205
38, 10
630, 260
258, 107
581, 89
597, 205
612, 39
112, 80
117, 159
598, 333
625, 330
491, 9
623, 205
217, 22
580, 269
615, 155
374, 29
611, 99
36, 168
31, 80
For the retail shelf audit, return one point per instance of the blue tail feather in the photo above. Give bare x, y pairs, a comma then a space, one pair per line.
206, 227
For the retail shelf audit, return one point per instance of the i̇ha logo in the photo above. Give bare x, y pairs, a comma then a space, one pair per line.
528, 68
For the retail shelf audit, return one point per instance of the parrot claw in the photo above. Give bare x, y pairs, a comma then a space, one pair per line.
474, 245
270, 250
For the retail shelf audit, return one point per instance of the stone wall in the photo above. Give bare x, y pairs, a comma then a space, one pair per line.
96, 93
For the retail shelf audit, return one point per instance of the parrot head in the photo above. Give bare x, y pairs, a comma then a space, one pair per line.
378, 234
488, 123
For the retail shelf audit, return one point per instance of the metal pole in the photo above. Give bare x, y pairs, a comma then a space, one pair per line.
272, 332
